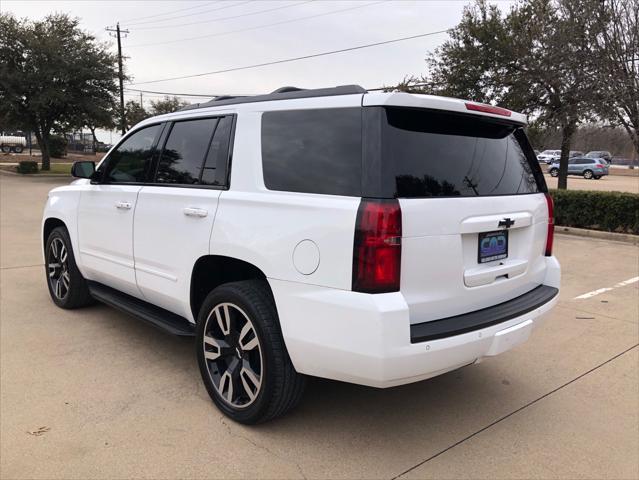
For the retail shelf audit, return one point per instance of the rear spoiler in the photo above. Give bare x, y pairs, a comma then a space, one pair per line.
411, 100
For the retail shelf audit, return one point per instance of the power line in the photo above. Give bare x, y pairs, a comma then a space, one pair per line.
294, 59
256, 27
156, 93
170, 11
176, 94
189, 14
219, 19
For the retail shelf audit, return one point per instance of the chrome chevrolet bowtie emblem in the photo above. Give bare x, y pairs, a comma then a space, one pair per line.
506, 223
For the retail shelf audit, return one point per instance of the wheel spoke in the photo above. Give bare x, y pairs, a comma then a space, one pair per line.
252, 342
223, 318
226, 386
65, 280
63, 254
212, 354
58, 288
54, 249
250, 380
52, 268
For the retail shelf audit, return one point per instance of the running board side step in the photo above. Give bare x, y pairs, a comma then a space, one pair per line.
156, 316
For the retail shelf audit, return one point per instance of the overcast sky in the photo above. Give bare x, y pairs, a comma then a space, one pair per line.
239, 33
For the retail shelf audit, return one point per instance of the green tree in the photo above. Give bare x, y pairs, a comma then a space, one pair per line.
167, 105
530, 59
49, 71
134, 113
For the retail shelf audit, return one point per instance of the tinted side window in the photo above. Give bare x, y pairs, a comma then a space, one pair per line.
313, 151
436, 154
129, 163
183, 154
216, 164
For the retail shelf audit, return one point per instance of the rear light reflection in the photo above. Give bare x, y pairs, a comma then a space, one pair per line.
551, 225
377, 248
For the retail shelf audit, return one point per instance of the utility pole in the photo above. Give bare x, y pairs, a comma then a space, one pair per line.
141, 102
120, 74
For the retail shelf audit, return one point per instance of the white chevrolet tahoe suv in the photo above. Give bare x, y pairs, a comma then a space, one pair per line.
372, 238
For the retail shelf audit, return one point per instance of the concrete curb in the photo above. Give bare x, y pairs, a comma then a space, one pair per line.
584, 232
34, 175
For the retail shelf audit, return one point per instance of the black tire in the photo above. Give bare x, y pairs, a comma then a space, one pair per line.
6, 149
17, 149
281, 387
554, 172
597, 177
67, 286
588, 174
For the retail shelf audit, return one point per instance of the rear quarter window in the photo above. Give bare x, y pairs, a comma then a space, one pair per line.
313, 151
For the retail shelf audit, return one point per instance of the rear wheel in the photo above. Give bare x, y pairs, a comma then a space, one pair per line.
67, 286
588, 174
17, 149
554, 172
6, 149
597, 177
241, 354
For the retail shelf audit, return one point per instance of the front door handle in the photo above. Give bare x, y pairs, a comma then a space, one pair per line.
123, 205
195, 212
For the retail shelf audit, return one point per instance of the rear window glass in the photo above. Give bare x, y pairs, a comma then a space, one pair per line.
183, 155
313, 151
435, 154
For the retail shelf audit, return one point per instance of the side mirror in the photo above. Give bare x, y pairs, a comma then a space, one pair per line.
83, 169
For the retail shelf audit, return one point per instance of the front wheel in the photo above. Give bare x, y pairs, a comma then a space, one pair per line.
6, 149
597, 177
17, 149
588, 174
554, 172
67, 286
241, 354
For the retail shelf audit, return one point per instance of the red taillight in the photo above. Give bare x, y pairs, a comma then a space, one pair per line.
598, 165
377, 251
482, 107
551, 225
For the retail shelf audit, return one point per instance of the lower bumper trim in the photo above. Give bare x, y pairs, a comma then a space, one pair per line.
486, 317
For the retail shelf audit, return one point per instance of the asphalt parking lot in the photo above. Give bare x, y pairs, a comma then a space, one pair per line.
95, 394
617, 183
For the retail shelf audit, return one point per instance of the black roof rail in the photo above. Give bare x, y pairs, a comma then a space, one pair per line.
287, 89
284, 93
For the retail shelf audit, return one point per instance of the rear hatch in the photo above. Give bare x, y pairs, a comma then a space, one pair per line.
474, 211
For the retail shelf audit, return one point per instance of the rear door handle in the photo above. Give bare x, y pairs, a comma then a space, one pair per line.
123, 205
195, 212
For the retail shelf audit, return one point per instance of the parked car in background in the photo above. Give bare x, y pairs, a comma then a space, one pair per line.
587, 167
599, 154
549, 156
575, 153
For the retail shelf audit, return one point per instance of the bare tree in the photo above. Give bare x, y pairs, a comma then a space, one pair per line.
616, 64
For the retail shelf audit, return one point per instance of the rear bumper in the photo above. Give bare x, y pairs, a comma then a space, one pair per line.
366, 339
484, 318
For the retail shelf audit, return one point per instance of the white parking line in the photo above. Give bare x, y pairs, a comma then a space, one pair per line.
606, 289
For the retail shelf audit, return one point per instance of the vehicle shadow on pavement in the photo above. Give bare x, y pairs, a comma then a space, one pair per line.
477, 392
